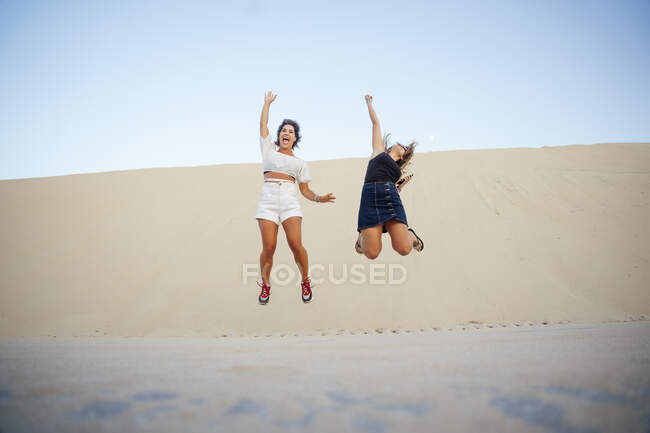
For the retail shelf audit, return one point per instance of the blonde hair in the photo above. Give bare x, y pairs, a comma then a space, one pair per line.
410, 149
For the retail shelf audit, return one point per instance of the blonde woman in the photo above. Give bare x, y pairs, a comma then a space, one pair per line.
381, 208
278, 202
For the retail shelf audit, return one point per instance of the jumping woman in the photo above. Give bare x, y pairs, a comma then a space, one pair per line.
381, 208
278, 202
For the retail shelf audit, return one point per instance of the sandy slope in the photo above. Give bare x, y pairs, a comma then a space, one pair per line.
511, 235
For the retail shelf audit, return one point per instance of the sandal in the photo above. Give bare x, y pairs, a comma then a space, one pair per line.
420, 245
357, 245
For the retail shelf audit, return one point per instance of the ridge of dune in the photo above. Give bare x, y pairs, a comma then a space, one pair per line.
512, 235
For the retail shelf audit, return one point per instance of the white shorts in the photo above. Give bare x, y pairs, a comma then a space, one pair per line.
278, 201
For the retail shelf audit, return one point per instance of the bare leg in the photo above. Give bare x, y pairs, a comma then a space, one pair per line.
371, 241
403, 240
269, 231
293, 230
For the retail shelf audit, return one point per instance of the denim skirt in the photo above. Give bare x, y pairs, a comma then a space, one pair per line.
380, 202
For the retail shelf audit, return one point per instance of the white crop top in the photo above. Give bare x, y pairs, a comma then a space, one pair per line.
272, 160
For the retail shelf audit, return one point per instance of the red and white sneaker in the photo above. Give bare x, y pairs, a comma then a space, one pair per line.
265, 293
306, 290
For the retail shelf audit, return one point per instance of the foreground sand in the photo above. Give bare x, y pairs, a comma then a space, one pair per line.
561, 378
512, 236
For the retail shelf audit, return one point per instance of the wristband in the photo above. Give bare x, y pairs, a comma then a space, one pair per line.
316, 197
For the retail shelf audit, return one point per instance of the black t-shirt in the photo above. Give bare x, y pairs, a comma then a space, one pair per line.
382, 168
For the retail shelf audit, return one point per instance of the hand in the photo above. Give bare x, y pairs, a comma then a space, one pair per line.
368, 98
269, 97
328, 198
403, 181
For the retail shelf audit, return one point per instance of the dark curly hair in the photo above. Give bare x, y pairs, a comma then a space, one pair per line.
296, 130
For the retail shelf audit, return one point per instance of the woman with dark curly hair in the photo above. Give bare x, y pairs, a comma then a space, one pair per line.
381, 208
278, 202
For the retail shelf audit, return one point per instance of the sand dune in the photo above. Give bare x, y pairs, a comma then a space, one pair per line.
512, 235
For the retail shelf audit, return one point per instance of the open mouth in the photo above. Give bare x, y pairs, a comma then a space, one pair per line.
285, 140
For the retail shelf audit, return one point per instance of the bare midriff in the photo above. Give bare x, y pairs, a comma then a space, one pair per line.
276, 175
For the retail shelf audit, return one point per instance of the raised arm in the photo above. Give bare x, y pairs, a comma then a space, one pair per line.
377, 142
264, 119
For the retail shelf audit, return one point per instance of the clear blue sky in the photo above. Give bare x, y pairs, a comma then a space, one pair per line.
90, 86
